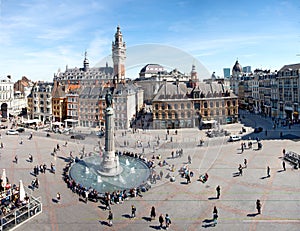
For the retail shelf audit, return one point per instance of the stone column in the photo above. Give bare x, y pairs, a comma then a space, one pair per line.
110, 163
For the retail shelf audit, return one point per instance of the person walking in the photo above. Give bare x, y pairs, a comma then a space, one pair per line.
218, 189
110, 218
283, 165
215, 215
258, 206
240, 170
16, 159
152, 213
161, 221
245, 163
189, 159
58, 197
168, 221
133, 211
268, 171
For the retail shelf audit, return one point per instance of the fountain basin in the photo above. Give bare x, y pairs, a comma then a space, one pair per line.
86, 172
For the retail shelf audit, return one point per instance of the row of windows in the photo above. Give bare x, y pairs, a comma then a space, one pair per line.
188, 114
196, 105
5, 88
89, 110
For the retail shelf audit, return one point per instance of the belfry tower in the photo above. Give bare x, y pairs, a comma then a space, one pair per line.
119, 56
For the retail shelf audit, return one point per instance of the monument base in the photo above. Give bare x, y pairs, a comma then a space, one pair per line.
110, 165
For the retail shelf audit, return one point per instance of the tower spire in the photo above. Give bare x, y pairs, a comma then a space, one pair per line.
86, 62
119, 56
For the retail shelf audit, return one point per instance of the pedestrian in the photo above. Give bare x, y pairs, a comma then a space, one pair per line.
152, 213
189, 159
245, 163
58, 197
215, 215
133, 211
161, 221
258, 206
188, 178
168, 221
218, 189
16, 159
268, 171
110, 218
161, 174
240, 170
283, 165
30, 158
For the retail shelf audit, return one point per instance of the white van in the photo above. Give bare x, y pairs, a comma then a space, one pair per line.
234, 138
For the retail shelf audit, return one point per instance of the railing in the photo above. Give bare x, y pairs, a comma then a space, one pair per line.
22, 214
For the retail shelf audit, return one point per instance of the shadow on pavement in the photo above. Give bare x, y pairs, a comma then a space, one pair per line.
157, 227
252, 214
148, 219
126, 215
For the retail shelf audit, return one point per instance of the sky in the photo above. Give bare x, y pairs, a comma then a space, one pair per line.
38, 37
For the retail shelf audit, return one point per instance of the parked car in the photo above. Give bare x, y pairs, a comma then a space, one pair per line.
234, 138
12, 132
20, 130
3, 120
258, 130
77, 137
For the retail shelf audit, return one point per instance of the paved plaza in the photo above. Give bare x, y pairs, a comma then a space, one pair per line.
189, 206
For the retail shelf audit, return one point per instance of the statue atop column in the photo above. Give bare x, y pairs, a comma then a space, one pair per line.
108, 99
110, 165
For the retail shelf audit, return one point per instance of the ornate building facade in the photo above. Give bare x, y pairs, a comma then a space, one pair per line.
177, 106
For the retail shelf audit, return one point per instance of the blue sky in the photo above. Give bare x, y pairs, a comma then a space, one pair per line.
38, 37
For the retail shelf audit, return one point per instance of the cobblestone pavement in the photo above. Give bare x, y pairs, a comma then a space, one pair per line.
189, 206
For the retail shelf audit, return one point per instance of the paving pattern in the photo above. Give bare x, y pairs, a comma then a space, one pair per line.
190, 206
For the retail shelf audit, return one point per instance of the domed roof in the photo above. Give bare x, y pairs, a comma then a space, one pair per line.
237, 67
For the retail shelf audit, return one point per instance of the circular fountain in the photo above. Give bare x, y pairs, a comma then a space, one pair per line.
85, 172
110, 172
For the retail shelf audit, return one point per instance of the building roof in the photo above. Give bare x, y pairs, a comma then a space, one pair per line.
170, 91
90, 93
237, 67
290, 67
212, 90
152, 69
58, 92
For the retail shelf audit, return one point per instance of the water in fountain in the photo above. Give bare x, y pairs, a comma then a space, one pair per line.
85, 172
121, 179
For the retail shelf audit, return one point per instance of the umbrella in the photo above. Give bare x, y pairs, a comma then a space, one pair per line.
21, 191
3, 178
